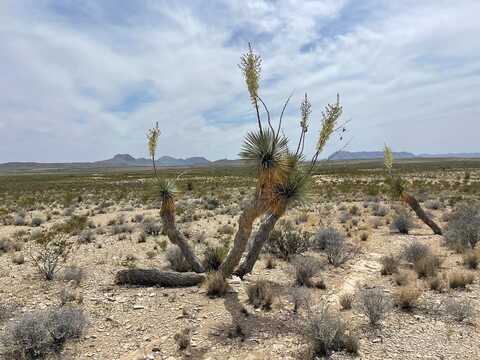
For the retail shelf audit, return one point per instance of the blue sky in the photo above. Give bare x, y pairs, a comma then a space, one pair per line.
82, 80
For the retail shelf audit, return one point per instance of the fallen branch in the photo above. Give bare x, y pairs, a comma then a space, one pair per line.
154, 277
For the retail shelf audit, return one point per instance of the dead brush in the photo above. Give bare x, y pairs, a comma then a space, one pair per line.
260, 294
216, 284
389, 264
406, 297
460, 279
183, 338
346, 301
471, 259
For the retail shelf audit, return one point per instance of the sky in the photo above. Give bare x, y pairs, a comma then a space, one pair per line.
82, 80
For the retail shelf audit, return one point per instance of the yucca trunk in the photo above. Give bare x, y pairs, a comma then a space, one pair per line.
415, 206
245, 223
260, 239
176, 237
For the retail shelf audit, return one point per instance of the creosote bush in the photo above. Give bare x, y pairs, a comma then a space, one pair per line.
324, 236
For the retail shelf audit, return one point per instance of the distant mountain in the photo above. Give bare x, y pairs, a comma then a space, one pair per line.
121, 160
371, 155
367, 155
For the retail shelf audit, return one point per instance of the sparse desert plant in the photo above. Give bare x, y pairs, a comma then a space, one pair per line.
6, 245
460, 279
213, 257
151, 227
436, 283
415, 251
460, 310
401, 278
177, 260
19, 219
374, 304
260, 294
463, 227
379, 210
86, 236
216, 284
270, 262
389, 264
406, 297
73, 274
327, 332
18, 258
287, 243
39, 334
346, 300
305, 268
338, 251
324, 236
183, 338
427, 266
37, 221
402, 222
51, 253
300, 297
471, 259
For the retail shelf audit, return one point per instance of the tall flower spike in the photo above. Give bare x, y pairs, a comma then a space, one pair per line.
251, 66
387, 158
152, 137
306, 111
329, 119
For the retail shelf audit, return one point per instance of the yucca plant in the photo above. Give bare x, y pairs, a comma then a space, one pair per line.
396, 187
283, 179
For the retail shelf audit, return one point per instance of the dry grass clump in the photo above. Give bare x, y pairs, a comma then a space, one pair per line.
389, 264
436, 283
270, 262
460, 310
305, 268
402, 222
183, 338
300, 297
427, 266
73, 274
260, 294
402, 278
216, 284
406, 297
213, 257
346, 301
374, 304
460, 279
327, 333
416, 251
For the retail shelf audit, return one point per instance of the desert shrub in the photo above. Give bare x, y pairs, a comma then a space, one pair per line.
213, 257
38, 334
138, 218
427, 266
354, 210
73, 226
401, 278
226, 229
151, 227
177, 260
121, 229
406, 297
212, 204
216, 284
305, 268
338, 251
73, 273
346, 300
379, 210
460, 279
327, 333
402, 222
300, 297
19, 219
464, 226
364, 236
389, 264
344, 217
37, 221
374, 304
433, 204
6, 245
436, 283
460, 310
376, 223
18, 259
471, 259
141, 237
260, 294
86, 236
323, 236
50, 255
416, 251
183, 338
287, 243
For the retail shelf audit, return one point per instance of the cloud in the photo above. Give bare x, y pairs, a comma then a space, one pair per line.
82, 80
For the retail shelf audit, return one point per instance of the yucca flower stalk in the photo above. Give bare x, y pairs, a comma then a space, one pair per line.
152, 137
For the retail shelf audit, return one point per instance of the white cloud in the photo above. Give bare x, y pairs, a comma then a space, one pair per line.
408, 73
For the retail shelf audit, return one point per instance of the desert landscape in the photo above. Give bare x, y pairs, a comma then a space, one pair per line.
292, 180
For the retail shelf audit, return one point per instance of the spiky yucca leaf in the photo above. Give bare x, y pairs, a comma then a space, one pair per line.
293, 189
329, 119
265, 150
